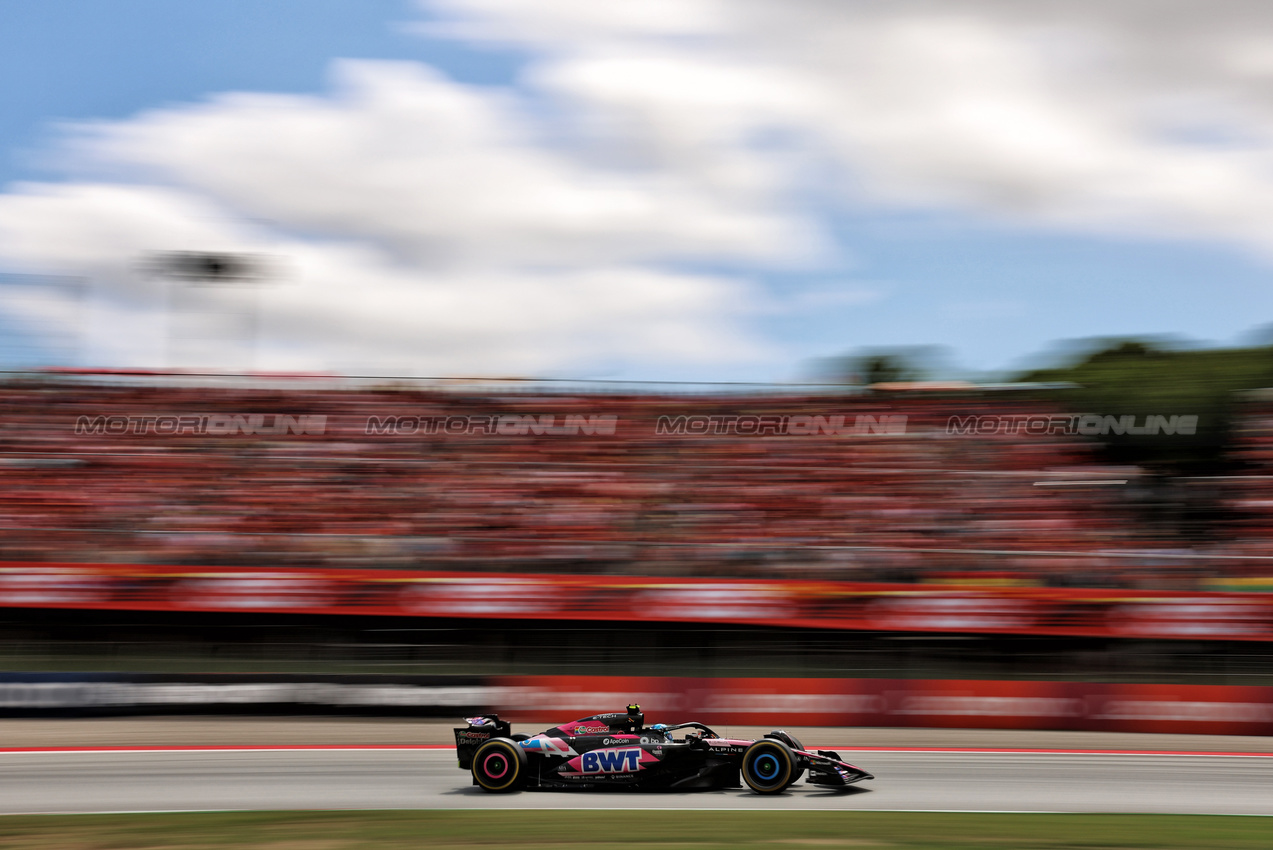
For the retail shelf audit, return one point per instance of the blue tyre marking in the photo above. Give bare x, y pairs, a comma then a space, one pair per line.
766, 767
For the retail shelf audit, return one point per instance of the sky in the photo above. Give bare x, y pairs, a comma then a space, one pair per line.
693, 190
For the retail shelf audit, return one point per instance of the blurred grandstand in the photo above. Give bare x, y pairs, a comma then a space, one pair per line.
122, 468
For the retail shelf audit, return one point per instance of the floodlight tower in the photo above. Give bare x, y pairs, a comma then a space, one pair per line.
208, 272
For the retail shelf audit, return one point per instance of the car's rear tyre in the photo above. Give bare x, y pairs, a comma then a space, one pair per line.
499, 765
769, 766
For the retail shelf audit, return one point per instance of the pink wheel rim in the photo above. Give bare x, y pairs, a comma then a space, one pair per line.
499, 760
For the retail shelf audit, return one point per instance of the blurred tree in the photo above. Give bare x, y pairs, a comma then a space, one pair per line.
1142, 378
885, 365
885, 368
1139, 378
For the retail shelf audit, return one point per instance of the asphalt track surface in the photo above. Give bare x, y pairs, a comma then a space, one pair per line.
191, 779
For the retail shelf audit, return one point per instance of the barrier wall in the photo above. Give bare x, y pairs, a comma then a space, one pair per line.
80, 694
544, 700
798, 604
1185, 709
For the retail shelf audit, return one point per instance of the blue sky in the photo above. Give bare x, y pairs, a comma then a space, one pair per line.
676, 194
73, 60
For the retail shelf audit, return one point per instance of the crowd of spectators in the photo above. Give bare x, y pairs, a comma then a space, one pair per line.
1248, 498
896, 494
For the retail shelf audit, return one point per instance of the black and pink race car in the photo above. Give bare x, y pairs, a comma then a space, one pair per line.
617, 750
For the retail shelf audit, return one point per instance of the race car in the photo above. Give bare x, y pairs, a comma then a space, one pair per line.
617, 750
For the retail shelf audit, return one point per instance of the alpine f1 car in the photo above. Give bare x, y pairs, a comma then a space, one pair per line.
618, 750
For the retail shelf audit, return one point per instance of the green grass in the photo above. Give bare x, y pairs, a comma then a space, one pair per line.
612, 830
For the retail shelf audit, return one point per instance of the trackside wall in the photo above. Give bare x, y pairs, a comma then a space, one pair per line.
1181, 709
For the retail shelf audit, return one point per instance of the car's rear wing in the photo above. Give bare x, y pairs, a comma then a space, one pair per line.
478, 731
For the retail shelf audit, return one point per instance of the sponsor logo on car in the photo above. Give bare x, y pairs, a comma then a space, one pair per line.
628, 760
610, 761
588, 729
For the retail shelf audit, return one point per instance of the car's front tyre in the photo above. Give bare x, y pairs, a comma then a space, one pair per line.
499, 765
769, 766
793, 742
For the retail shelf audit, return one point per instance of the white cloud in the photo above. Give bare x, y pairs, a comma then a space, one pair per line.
574, 22
425, 227
435, 227
350, 306
1148, 117
442, 173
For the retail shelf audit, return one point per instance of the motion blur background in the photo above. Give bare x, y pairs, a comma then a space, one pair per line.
908, 359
